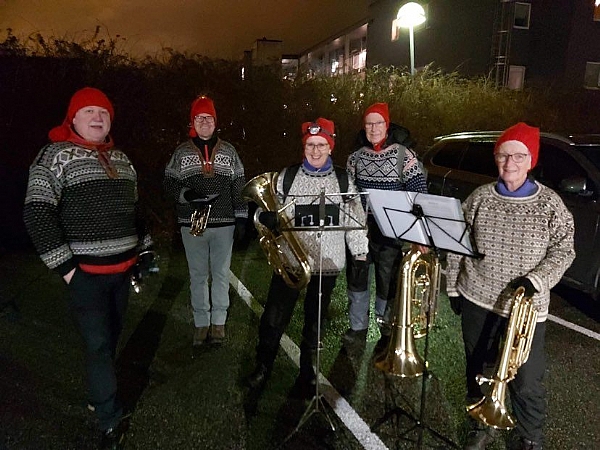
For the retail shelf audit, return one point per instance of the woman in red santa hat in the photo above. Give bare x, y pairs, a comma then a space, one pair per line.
525, 234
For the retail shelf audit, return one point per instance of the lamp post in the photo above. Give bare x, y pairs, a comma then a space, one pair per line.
410, 15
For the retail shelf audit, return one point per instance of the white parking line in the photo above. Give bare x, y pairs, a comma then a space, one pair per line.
340, 406
572, 326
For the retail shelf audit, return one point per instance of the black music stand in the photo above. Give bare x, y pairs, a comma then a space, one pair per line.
318, 224
436, 222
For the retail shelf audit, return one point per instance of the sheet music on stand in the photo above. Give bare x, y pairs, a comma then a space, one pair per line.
438, 222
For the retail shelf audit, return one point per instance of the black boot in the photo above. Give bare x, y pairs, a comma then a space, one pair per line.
258, 378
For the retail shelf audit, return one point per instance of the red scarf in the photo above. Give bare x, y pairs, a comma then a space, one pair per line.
100, 148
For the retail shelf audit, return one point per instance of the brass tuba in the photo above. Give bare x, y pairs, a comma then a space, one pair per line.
418, 283
199, 220
491, 410
282, 248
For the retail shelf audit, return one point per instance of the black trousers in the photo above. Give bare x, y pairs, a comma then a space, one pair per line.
98, 305
482, 334
279, 308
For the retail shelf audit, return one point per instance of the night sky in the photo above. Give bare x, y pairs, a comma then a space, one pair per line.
215, 28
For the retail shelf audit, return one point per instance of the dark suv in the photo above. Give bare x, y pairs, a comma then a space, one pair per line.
458, 163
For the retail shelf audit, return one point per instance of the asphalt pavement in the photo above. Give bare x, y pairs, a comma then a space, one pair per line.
181, 399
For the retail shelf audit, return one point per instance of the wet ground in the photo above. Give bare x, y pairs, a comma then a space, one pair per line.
185, 399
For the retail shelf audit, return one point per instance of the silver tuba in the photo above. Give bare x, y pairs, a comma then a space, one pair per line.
283, 249
199, 220
491, 409
418, 284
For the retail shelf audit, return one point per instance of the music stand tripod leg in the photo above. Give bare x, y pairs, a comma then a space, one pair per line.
316, 404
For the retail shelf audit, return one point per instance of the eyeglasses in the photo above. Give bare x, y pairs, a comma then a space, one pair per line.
320, 146
204, 119
374, 124
516, 157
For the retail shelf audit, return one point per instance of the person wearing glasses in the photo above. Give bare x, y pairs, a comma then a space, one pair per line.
202, 169
382, 160
525, 234
303, 183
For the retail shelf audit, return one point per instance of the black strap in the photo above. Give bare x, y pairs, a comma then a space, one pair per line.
291, 171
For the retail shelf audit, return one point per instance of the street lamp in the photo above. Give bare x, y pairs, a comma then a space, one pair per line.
410, 15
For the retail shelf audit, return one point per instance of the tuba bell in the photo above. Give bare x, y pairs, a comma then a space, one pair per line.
418, 284
282, 248
491, 409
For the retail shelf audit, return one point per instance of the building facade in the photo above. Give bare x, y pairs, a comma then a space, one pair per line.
515, 42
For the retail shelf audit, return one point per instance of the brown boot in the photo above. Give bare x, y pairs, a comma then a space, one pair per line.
200, 336
217, 334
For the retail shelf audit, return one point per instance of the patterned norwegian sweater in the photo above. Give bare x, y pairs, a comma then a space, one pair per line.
75, 213
381, 170
309, 184
529, 236
184, 171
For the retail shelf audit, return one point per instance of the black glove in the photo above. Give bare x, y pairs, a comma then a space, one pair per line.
525, 283
269, 219
456, 304
240, 229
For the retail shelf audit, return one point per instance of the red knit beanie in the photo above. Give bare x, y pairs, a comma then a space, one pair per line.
87, 96
381, 109
320, 127
524, 134
202, 105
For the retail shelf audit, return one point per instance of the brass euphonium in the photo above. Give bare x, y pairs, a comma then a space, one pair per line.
282, 248
491, 409
418, 283
199, 220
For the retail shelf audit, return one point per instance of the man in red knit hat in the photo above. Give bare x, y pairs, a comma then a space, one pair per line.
382, 160
206, 168
81, 214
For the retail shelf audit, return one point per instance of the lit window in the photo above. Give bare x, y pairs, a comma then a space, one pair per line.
516, 77
597, 11
522, 15
592, 75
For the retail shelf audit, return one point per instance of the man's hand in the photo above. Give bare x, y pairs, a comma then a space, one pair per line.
526, 284
68, 276
422, 248
240, 229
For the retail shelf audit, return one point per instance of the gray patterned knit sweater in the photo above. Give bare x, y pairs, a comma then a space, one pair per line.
334, 248
529, 236
75, 213
184, 171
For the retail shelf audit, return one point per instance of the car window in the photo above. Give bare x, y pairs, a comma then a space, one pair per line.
450, 154
479, 158
555, 165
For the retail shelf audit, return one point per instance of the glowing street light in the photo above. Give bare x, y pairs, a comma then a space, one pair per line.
409, 16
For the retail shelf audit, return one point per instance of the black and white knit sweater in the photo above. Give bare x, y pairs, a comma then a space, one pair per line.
184, 171
529, 236
75, 213
372, 169
305, 190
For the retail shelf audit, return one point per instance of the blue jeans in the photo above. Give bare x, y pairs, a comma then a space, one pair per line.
98, 304
386, 256
209, 254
